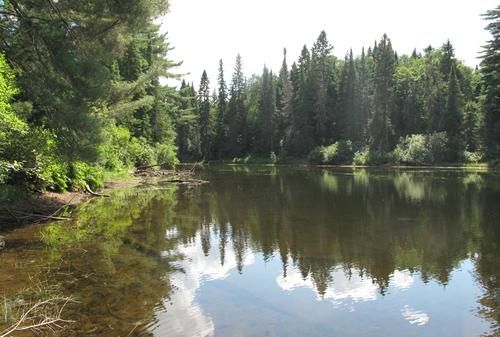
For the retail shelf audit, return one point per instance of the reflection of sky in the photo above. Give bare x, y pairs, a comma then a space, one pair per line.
214, 300
183, 316
343, 288
354, 288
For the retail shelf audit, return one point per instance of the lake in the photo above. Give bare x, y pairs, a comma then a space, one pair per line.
274, 251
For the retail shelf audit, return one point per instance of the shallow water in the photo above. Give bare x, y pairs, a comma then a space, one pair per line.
267, 251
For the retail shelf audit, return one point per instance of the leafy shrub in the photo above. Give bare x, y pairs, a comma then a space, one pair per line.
361, 157
472, 157
54, 176
141, 153
114, 153
273, 157
338, 153
437, 143
245, 160
421, 149
82, 174
166, 155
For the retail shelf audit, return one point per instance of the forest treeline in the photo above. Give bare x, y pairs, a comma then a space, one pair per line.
80, 95
374, 108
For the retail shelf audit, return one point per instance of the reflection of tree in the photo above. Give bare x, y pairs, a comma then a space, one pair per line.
111, 261
488, 263
369, 223
116, 256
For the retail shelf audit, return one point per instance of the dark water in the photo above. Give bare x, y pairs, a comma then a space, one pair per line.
268, 251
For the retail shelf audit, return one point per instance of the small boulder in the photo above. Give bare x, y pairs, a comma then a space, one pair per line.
2, 242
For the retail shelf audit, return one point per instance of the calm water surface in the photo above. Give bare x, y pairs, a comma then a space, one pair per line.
266, 251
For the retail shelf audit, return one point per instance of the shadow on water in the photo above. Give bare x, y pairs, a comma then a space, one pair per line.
145, 261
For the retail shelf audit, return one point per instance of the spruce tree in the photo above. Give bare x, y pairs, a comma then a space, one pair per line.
237, 113
283, 113
221, 119
265, 125
453, 116
349, 119
380, 124
491, 82
364, 92
318, 80
301, 133
204, 116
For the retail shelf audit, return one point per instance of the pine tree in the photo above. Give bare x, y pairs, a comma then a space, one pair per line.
349, 119
380, 124
301, 133
204, 116
266, 112
283, 112
447, 59
364, 91
237, 113
453, 116
491, 82
221, 119
318, 80
186, 122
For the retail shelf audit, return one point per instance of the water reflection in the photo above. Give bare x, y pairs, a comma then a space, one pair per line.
285, 252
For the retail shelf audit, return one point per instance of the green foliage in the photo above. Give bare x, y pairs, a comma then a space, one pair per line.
340, 152
114, 153
361, 157
421, 149
89, 97
473, 157
491, 82
82, 174
166, 155
273, 157
141, 153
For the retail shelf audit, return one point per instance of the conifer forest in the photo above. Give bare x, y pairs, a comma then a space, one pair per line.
83, 93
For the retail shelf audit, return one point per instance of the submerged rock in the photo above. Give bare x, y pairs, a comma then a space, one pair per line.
2, 242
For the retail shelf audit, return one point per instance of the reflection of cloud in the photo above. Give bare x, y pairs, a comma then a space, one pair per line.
171, 233
185, 317
414, 316
341, 289
402, 279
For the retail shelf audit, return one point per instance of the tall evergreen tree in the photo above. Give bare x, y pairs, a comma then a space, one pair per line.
186, 122
364, 92
453, 116
318, 80
237, 112
349, 119
221, 119
491, 80
265, 122
283, 112
301, 133
380, 123
204, 116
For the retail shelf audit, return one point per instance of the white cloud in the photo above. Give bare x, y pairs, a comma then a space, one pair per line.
414, 316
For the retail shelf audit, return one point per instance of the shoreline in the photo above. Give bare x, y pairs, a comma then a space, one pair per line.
44, 207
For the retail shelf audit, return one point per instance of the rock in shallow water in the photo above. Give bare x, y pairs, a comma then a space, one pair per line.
2, 242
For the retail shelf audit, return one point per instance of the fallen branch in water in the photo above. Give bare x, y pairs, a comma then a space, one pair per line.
34, 215
185, 181
89, 190
43, 315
